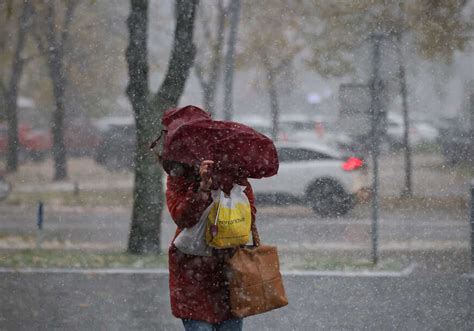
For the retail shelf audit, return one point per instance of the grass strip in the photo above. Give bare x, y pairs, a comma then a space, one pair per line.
80, 259
345, 264
49, 258
116, 198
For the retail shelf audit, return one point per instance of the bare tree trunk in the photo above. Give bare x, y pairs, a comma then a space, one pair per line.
145, 230
275, 107
58, 76
53, 46
273, 95
3, 102
210, 95
471, 115
57, 125
471, 112
11, 92
12, 131
229, 62
407, 189
209, 84
148, 192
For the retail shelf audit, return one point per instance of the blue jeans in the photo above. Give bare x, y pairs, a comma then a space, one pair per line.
229, 325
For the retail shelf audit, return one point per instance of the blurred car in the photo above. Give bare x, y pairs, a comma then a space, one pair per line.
318, 175
457, 144
303, 128
81, 138
419, 132
34, 144
116, 150
262, 125
427, 132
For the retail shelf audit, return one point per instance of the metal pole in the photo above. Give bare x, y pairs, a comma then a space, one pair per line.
472, 225
234, 9
375, 108
76, 188
39, 223
39, 218
407, 190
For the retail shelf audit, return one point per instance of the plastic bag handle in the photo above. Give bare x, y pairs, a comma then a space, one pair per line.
218, 207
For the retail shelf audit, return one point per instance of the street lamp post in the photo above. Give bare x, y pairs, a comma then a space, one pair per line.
472, 225
375, 112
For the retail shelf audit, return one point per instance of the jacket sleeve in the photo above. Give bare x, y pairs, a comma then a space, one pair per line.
184, 202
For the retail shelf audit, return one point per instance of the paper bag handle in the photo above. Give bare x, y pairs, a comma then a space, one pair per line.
255, 235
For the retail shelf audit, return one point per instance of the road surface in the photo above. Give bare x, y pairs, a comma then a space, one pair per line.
62, 301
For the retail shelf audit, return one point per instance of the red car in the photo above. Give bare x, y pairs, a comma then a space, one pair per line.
81, 139
34, 144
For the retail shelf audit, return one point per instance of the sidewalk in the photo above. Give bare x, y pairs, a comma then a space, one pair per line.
140, 301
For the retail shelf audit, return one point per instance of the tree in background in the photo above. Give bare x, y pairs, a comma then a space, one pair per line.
334, 30
432, 29
439, 27
271, 43
93, 59
95, 63
148, 108
96, 67
229, 64
12, 65
207, 67
51, 32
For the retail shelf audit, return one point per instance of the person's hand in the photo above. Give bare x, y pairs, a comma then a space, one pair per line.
205, 172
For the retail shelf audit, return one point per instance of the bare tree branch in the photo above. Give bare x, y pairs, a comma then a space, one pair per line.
11, 92
282, 65
216, 59
9, 10
225, 9
51, 39
50, 24
3, 90
23, 26
182, 55
137, 56
463, 4
39, 41
33, 57
200, 75
230, 58
208, 71
70, 8
205, 24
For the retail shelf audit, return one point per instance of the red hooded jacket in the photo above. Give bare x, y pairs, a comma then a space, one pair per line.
198, 287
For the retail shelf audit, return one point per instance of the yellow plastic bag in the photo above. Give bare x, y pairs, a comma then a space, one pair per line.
229, 220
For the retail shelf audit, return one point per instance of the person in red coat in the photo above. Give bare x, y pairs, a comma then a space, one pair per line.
198, 286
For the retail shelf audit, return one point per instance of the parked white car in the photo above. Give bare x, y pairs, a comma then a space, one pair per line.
316, 174
420, 132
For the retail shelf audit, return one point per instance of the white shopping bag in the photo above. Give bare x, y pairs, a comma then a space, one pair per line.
192, 241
